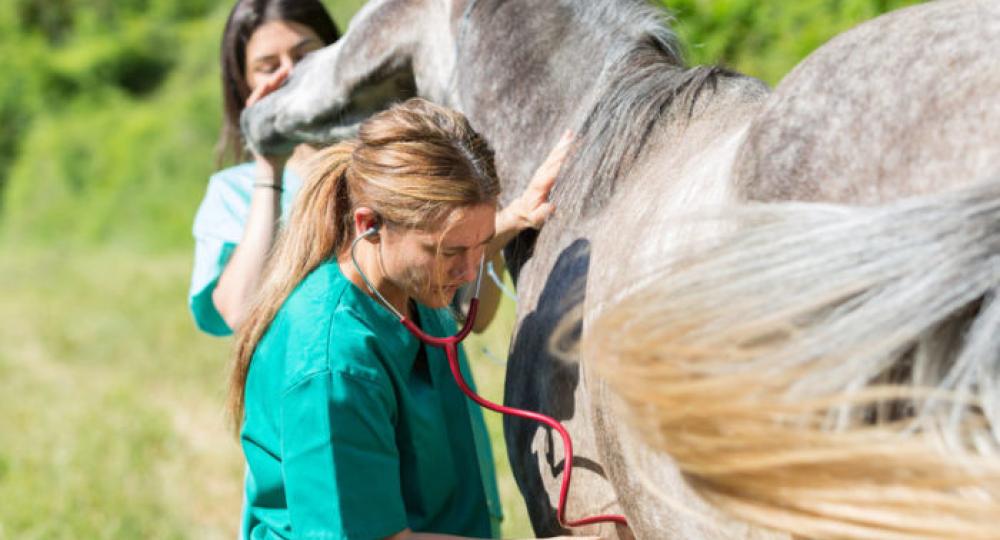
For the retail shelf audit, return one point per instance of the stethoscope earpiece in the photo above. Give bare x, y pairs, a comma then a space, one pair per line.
373, 230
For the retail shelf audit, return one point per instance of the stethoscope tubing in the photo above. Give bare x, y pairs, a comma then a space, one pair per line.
450, 347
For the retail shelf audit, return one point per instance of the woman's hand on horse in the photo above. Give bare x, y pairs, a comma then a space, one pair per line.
532, 208
273, 164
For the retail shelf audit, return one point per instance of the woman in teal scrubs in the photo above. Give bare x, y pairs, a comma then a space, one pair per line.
236, 223
351, 427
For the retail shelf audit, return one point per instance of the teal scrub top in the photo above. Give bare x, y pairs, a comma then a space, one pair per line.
347, 434
218, 228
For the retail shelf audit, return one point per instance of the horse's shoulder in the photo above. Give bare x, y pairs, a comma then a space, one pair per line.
872, 115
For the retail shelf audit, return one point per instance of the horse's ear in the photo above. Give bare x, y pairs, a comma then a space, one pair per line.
332, 90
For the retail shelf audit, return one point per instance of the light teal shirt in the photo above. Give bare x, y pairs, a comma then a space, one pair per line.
218, 228
348, 435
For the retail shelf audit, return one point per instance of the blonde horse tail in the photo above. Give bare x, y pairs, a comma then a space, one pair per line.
831, 371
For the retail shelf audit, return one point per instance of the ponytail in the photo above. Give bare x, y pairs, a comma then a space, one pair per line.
411, 164
318, 228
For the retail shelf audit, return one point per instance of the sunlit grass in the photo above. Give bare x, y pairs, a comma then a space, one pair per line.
111, 421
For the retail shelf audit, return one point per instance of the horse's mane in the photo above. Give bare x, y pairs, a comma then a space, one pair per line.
645, 82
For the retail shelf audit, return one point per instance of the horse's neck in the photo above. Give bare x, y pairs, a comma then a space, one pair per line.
652, 221
659, 210
523, 81
524, 122
685, 169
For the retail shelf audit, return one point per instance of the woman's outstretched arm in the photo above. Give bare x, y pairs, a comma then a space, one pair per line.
242, 273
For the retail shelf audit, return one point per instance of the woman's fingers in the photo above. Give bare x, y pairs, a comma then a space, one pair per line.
553, 162
541, 213
547, 172
534, 202
270, 163
271, 84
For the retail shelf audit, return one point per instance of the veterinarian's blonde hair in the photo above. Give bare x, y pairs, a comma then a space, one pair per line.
412, 164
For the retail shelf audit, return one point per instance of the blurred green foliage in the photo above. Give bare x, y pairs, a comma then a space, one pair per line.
110, 108
107, 118
766, 38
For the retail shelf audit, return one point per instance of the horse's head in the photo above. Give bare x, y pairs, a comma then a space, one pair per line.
393, 50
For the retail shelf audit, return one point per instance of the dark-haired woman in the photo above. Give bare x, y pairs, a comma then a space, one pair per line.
236, 223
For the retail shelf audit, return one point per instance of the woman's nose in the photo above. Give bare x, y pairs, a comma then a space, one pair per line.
467, 269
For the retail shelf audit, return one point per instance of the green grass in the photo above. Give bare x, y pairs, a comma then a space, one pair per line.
112, 402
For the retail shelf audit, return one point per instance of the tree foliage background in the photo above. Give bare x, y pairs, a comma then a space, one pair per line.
110, 108
110, 422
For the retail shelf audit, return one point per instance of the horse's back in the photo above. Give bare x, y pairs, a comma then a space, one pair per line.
901, 105
904, 104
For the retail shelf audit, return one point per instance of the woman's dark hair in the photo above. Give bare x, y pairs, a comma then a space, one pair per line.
245, 17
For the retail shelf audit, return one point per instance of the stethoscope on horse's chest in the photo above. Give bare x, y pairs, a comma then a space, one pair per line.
450, 347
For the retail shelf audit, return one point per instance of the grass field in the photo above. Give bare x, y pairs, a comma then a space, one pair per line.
111, 402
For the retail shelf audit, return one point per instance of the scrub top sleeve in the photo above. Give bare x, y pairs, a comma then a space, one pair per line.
340, 460
210, 258
218, 228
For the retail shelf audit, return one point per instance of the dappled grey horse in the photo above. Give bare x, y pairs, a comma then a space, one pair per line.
900, 106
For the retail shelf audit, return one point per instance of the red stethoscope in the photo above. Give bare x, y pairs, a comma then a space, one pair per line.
450, 347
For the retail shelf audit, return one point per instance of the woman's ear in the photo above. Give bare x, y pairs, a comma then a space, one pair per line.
367, 222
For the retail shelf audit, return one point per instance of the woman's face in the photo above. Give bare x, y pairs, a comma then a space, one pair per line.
429, 266
277, 44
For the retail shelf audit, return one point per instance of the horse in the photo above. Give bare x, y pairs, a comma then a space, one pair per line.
899, 107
